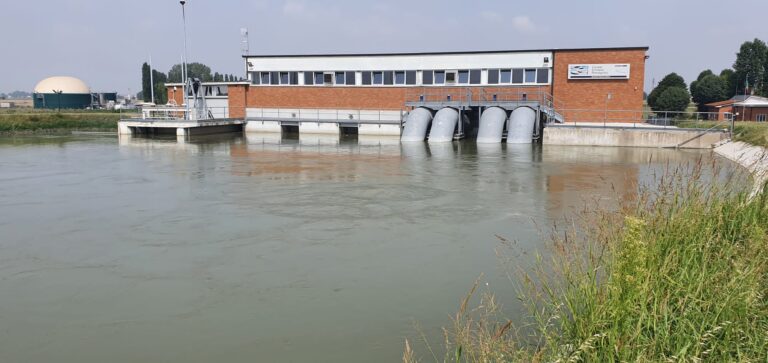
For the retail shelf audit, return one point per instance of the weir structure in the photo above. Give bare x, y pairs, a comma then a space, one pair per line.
446, 114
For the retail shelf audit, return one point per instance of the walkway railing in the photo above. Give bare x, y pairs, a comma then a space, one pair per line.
326, 115
175, 113
644, 118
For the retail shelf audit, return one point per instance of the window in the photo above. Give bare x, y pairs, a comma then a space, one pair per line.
426, 77
264, 77
400, 77
439, 77
309, 78
410, 77
506, 76
517, 76
328, 78
388, 78
255, 79
366, 78
350, 76
284, 78
274, 78
340, 78
542, 75
493, 76
530, 76
450, 77
474, 76
378, 78
221, 91
294, 78
464, 77
761, 117
319, 80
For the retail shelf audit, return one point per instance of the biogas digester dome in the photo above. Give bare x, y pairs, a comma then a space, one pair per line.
62, 92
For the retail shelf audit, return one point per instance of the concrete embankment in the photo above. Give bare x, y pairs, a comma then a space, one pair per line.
751, 157
631, 137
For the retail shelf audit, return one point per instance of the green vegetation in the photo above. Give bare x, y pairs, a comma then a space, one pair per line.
750, 132
751, 65
708, 88
175, 75
29, 121
658, 100
679, 274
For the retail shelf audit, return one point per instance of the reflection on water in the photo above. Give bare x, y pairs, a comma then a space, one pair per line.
266, 248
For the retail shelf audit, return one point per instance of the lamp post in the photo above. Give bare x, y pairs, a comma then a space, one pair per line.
184, 61
58, 99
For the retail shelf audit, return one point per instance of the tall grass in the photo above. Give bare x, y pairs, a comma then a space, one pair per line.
677, 275
50, 121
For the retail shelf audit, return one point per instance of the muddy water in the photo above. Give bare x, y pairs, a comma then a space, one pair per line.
261, 249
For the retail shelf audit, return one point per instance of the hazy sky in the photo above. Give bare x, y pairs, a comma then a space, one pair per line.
104, 42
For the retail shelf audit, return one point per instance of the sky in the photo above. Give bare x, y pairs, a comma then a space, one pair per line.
105, 42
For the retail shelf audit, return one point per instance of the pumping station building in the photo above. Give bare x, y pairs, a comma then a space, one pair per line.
441, 96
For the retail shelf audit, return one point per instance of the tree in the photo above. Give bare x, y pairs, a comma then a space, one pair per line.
673, 99
670, 80
146, 86
709, 89
729, 77
161, 93
750, 66
194, 70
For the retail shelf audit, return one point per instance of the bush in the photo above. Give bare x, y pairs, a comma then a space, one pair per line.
673, 99
670, 80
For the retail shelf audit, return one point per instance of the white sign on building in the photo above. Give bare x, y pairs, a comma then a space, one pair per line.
598, 71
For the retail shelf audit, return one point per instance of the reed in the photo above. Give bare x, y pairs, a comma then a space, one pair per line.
678, 274
13, 122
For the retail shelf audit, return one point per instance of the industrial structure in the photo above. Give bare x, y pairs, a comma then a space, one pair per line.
69, 93
488, 95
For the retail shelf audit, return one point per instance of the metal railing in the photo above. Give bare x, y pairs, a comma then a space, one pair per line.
175, 113
643, 118
326, 115
481, 96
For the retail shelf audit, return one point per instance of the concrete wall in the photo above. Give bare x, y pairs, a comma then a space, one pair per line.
630, 137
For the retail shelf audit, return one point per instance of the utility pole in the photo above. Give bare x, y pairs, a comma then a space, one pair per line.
58, 99
184, 63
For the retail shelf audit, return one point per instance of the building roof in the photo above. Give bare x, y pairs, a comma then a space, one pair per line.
68, 85
443, 53
742, 101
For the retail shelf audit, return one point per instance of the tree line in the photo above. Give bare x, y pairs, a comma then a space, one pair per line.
158, 79
749, 75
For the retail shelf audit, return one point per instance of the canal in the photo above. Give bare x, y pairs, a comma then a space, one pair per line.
260, 249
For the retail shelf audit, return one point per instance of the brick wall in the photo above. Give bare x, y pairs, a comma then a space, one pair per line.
591, 94
238, 100
175, 94
376, 98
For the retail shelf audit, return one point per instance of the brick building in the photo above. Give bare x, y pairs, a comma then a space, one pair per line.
742, 108
560, 84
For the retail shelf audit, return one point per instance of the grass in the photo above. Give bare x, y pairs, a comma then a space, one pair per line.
678, 275
750, 132
36, 121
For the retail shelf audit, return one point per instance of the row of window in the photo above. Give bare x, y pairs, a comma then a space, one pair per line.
388, 78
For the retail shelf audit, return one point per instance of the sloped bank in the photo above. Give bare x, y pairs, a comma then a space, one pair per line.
751, 157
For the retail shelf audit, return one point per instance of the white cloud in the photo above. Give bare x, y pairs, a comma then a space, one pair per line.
523, 24
291, 7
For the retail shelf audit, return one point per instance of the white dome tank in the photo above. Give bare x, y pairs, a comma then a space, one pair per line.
67, 85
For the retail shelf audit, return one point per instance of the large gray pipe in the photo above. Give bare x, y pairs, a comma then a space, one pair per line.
521, 124
416, 125
444, 125
491, 125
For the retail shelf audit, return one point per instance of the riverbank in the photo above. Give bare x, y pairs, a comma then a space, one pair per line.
678, 275
46, 122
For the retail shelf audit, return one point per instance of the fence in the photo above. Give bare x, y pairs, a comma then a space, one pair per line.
326, 115
645, 118
175, 113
